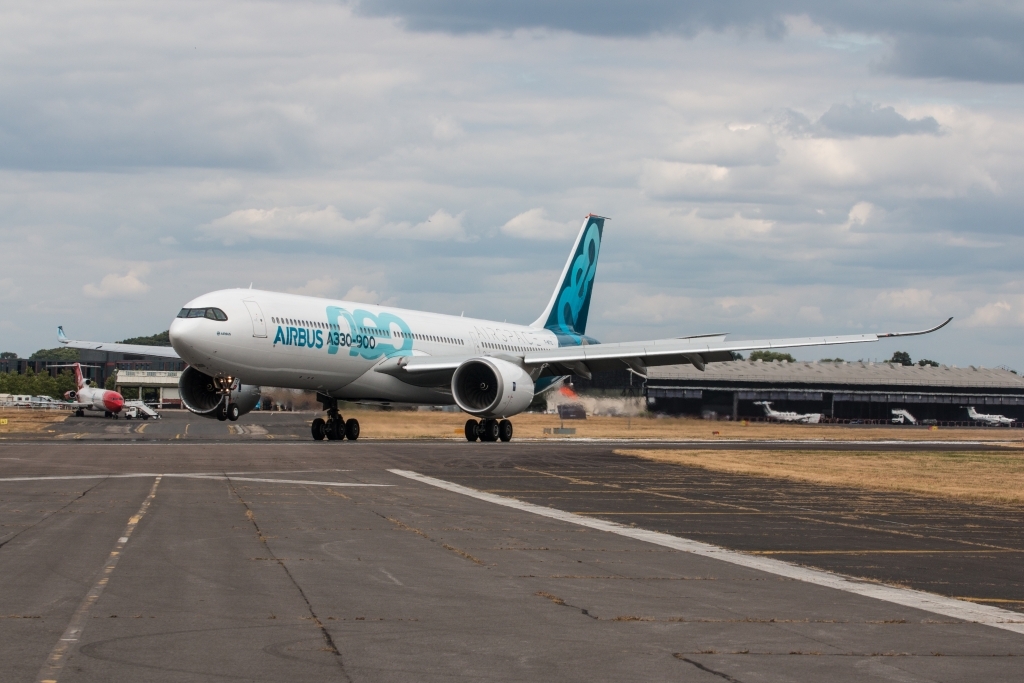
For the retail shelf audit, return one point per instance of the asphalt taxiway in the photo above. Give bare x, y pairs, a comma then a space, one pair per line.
263, 559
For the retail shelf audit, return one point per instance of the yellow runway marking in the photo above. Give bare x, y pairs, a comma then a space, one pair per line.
141, 428
59, 655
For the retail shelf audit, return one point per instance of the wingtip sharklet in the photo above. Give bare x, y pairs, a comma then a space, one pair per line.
914, 334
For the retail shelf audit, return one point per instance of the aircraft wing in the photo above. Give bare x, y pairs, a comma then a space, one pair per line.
697, 351
582, 360
141, 349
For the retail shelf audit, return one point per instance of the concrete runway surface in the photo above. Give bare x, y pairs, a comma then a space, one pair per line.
266, 560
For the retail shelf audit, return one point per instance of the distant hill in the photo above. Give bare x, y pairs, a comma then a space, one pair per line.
158, 339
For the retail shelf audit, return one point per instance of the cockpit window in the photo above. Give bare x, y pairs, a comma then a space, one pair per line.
209, 313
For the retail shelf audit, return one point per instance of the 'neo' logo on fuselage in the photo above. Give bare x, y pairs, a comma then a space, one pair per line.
369, 336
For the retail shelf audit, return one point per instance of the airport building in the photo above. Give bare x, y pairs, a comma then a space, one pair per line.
97, 365
159, 387
840, 391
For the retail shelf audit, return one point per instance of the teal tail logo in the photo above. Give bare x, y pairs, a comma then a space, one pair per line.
569, 314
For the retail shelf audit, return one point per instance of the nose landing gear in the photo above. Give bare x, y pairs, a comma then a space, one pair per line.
488, 430
334, 428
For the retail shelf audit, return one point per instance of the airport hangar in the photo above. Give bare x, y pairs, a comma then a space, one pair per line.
839, 390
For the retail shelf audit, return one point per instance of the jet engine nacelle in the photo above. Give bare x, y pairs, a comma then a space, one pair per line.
199, 394
71, 395
492, 387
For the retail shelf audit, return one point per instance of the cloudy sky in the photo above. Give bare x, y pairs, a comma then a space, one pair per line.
770, 168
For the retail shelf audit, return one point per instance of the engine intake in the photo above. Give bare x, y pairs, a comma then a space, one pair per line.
492, 387
199, 394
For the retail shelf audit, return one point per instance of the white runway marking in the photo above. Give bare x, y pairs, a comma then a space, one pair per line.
929, 602
190, 475
73, 633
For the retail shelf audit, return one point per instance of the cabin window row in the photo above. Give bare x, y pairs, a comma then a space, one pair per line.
369, 330
506, 347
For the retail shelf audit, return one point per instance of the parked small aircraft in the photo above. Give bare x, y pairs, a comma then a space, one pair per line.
994, 420
786, 416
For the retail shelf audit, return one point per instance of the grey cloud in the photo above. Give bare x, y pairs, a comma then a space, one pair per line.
972, 58
860, 119
604, 18
978, 41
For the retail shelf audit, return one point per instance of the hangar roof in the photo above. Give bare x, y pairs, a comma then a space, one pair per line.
861, 372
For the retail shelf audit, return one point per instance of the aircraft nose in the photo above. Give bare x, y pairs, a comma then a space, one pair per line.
113, 401
183, 334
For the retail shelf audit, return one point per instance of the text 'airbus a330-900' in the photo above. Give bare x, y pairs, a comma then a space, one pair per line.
236, 340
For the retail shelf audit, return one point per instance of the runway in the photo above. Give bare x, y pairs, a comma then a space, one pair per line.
262, 559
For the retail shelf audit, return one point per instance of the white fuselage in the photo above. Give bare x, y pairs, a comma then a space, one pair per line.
989, 419
788, 416
331, 346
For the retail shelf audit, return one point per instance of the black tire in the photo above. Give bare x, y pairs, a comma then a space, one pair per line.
489, 430
107, 413
505, 430
127, 417
79, 413
472, 430
352, 429
233, 412
318, 429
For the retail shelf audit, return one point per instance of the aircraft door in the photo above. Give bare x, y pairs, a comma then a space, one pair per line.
259, 325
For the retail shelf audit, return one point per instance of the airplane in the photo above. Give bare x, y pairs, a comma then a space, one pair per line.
994, 420
87, 397
901, 416
347, 351
242, 397
786, 416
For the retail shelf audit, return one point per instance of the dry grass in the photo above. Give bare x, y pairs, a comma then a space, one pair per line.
21, 421
982, 476
434, 425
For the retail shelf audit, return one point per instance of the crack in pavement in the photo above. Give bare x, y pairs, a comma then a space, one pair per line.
57, 511
331, 646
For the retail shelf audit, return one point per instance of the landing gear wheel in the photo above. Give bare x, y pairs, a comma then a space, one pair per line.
233, 412
489, 430
336, 429
505, 430
318, 429
472, 430
352, 429
79, 413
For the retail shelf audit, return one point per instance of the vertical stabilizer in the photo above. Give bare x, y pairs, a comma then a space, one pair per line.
569, 307
79, 377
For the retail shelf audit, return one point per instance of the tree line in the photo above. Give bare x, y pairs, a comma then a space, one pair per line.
37, 384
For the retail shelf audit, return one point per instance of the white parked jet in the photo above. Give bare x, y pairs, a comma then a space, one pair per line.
348, 351
87, 397
787, 416
994, 420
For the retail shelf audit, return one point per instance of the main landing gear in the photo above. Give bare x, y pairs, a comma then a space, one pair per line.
334, 428
488, 430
